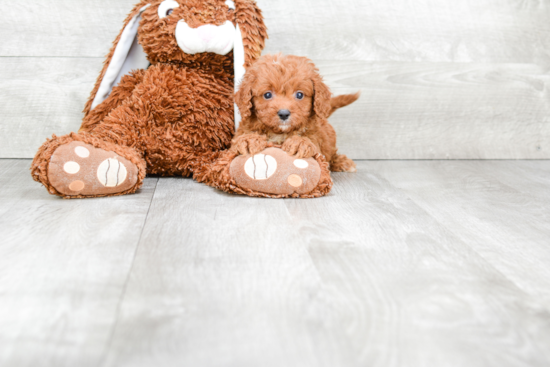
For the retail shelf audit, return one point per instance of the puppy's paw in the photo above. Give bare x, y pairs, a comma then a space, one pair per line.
249, 144
300, 147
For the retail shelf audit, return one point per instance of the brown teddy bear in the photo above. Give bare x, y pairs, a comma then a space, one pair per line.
164, 105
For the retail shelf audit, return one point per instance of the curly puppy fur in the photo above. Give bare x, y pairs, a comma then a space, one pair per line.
175, 117
283, 100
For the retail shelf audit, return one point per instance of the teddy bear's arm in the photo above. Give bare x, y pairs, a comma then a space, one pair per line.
120, 93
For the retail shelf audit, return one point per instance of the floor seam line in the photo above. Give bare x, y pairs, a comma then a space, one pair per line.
125, 287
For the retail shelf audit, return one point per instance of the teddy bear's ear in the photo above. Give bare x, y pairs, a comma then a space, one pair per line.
249, 41
125, 55
253, 30
243, 97
238, 64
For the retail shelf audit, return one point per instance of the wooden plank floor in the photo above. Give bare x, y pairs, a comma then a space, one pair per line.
406, 263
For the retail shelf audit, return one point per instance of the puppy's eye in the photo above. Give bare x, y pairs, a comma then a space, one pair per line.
299, 95
268, 95
230, 4
167, 7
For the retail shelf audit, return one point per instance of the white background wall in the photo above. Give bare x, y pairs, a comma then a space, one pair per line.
440, 78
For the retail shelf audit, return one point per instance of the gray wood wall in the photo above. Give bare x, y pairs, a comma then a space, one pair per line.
441, 79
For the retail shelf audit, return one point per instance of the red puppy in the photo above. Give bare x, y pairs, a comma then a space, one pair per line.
282, 99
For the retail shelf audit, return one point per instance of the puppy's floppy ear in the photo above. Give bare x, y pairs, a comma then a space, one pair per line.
243, 97
125, 55
321, 97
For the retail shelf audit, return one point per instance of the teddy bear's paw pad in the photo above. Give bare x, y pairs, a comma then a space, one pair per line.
260, 167
275, 172
79, 169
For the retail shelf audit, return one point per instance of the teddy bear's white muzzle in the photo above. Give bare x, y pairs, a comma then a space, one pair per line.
207, 38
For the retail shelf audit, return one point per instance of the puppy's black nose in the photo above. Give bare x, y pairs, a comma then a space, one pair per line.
284, 114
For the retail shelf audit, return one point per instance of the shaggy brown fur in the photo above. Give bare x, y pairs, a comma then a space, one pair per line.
290, 85
175, 117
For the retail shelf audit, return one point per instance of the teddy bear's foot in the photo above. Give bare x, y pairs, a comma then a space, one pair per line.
78, 169
276, 173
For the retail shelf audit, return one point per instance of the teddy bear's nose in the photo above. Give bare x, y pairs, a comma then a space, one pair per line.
284, 114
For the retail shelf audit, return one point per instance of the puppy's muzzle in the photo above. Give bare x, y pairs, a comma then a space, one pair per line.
284, 115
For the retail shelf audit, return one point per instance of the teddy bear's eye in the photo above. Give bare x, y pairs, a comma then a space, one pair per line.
268, 95
167, 7
230, 4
